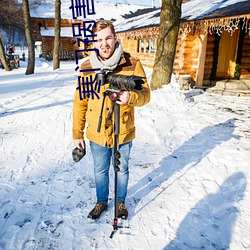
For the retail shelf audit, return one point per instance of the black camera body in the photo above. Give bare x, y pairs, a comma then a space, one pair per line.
121, 82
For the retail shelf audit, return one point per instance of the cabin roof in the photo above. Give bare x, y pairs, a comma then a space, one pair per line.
208, 9
65, 31
194, 10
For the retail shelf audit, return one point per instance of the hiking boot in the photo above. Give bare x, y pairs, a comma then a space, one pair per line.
122, 211
97, 210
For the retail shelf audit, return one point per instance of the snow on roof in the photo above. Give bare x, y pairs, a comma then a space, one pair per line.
197, 9
105, 10
146, 20
65, 31
192, 10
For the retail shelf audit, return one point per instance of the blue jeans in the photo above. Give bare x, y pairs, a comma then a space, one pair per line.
102, 157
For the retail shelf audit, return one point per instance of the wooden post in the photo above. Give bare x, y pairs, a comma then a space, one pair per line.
201, 60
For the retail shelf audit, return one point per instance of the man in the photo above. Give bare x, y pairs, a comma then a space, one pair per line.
112, 58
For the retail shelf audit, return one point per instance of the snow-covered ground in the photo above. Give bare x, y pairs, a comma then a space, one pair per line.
189, 170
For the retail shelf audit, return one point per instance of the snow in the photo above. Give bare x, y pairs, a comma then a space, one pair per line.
145, 20
196, 9
65, 32
189, 169
156, 3
106, 10
192, 10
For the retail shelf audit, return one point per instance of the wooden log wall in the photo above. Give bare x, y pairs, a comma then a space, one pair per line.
186, 55
47, 45
66, 46
209, 58
50, 22
178, 61
146, 59
190, 56
131, 46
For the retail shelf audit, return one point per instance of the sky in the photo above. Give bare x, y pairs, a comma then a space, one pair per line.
189, 169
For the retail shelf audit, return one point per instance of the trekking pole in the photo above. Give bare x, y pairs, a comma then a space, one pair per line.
117, 156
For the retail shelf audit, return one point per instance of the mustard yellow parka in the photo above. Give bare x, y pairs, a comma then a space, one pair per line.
88, 110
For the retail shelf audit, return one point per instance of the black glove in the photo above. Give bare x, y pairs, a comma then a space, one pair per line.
78, 153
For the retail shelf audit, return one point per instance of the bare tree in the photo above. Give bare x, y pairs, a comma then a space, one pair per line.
28, 33
168, 34
3, 57
11, 24
56, 59
11, 16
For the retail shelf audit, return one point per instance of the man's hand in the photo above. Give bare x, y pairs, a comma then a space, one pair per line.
79, 151
123, 97
79, 143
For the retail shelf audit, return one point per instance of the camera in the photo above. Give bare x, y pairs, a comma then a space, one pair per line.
120, 81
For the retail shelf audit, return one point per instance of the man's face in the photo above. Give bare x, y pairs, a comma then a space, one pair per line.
105, 43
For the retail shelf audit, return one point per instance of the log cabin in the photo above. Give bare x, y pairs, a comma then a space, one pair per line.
213, 41
43, 31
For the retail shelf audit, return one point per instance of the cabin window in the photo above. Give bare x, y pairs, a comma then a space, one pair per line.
146, 45
152, 45
139, 45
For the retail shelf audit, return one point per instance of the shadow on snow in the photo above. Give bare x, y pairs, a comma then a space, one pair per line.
190, 153
209, 225
23, 110
215, 220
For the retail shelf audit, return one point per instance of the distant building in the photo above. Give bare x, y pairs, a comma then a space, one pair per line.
43, 23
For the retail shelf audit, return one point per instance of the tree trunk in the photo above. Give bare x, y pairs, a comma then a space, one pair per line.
56, 59
3, 57
168, 34
29, 39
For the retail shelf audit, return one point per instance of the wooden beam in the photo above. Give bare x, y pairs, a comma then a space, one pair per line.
201, 60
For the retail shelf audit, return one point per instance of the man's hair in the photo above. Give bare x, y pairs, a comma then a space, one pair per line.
103, 24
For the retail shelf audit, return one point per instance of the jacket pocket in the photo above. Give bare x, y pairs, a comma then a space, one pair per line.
127, 120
